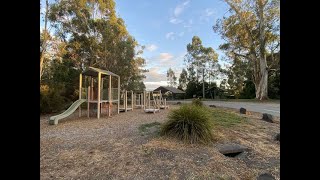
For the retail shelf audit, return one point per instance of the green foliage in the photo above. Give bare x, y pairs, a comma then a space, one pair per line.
144, 127
87, 33
59, 86
172, 79
197, 102
51, 100
198, 57
222, 118
251, 32
189, 123
183, 80
248, 91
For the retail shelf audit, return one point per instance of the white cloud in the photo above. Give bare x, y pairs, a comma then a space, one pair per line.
181, 34
165, 56
209, 12
151, 47
153, 85
180, 8
206, 14
170, 35
175, 21
177, 11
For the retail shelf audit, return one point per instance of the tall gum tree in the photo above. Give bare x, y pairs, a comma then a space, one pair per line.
251, 33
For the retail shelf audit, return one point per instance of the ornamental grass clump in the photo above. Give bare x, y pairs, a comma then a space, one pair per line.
190, 123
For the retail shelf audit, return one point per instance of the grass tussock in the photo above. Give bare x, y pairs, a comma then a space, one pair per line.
189, 123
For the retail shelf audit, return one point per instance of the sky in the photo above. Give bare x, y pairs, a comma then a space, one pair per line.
166, 27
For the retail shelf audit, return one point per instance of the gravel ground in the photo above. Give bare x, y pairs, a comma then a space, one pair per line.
114, 148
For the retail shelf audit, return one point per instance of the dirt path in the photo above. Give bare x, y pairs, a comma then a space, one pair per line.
115, 148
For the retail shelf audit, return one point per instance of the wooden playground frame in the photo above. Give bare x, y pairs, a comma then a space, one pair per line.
148, 101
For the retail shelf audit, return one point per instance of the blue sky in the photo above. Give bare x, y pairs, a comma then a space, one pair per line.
166, 27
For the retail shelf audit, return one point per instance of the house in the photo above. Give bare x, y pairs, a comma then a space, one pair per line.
216, 93
171, 91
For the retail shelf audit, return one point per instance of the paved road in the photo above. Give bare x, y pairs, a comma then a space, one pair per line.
270, 108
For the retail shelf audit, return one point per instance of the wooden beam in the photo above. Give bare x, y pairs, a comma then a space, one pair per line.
80, 91
132, 99
88, 105
118, 94
110, 97
125, 101
99, 90
149, 100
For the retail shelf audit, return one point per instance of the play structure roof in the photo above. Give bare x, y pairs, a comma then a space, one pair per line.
91, 71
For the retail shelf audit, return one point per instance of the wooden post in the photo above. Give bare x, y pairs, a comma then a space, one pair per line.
80, 91
149, 100
165, 103
125, 101
99, 90
144, 99
102, 88
88, 97
91, 94
132, 98
118, 94
110, 99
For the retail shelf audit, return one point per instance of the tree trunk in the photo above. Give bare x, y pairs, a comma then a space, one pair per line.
262, 89
45, 39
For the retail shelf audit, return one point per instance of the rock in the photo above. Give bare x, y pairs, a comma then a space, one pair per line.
212, 105
243, 111
267, 117
277, 138
178, 102
231, 149
265, 176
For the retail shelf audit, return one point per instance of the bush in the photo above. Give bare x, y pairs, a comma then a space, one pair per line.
189, 123
197, 102
51, 100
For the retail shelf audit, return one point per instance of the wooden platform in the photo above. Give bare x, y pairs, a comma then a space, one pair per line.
123, 109
151, 110
164, 107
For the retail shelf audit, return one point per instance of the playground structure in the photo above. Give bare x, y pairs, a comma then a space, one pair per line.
124, 96
99, 94
95, 93
154, 101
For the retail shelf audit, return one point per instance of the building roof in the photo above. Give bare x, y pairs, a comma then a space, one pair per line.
91, 71
172, 89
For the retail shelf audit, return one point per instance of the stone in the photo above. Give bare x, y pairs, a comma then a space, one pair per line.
267, 117
212, 106
265, 176
231, 149
243, 111
277, 138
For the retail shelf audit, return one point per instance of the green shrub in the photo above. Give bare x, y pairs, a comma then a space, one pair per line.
51, 100
197, 102
189, 123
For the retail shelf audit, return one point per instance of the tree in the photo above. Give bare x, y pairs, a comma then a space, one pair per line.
45, 37
171, 78
96, 37
86, 33
251, 33
201, 62
183, 80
